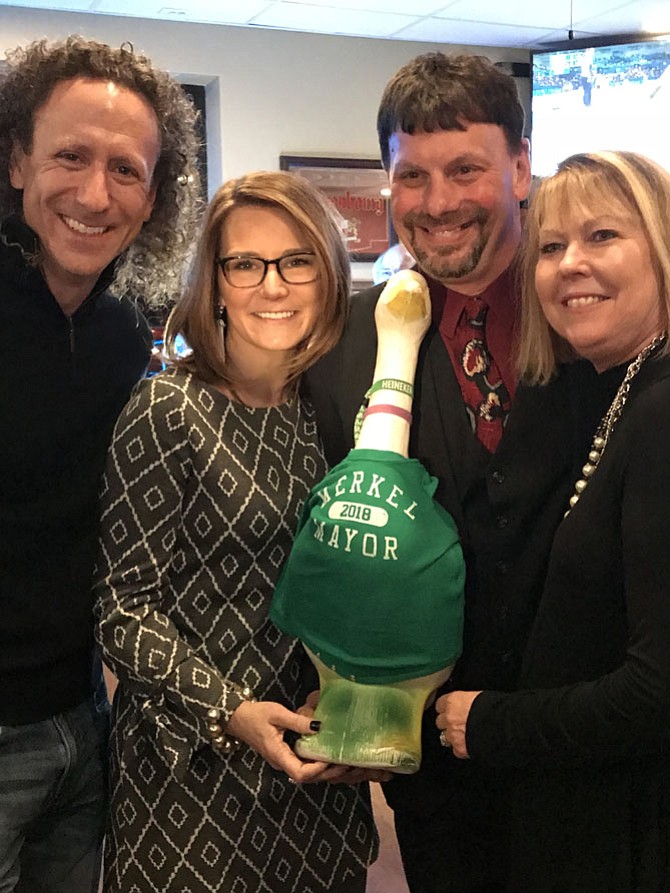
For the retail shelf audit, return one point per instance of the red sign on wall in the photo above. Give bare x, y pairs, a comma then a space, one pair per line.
357, 189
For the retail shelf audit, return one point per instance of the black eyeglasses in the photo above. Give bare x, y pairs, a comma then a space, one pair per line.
246, 271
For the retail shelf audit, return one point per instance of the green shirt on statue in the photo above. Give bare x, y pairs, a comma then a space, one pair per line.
374, 582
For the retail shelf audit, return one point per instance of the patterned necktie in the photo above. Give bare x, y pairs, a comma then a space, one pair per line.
486, 398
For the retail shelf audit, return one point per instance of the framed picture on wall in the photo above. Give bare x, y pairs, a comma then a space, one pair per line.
358, 188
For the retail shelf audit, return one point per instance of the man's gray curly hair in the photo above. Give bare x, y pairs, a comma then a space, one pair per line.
152, 267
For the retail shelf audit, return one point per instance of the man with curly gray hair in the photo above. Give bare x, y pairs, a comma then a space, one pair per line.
98, 196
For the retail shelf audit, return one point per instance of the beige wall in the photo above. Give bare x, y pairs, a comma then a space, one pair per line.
268, 92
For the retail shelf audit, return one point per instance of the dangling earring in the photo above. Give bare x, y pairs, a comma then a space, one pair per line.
221, 317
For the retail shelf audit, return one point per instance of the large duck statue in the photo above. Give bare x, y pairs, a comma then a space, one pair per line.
373, 586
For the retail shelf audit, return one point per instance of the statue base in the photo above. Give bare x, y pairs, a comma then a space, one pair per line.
370, 726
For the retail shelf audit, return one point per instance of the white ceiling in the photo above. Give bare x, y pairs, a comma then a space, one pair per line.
522, 23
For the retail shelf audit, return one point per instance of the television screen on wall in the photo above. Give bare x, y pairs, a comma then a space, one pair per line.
588, 98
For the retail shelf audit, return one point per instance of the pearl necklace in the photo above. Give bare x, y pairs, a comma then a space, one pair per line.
609, 420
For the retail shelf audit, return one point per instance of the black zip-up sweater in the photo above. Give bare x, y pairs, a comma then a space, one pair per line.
63, 382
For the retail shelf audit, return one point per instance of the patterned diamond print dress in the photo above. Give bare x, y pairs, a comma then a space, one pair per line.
200, 504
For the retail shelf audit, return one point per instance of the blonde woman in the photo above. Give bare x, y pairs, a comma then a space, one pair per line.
584, 744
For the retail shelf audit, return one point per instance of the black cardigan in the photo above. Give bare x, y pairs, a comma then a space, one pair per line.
587, 739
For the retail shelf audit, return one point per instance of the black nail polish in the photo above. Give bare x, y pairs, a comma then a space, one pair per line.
315, 725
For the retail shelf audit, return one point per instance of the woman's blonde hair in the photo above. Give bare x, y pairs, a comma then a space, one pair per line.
194, 316
595, 182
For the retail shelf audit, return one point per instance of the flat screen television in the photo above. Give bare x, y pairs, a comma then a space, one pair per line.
586, 98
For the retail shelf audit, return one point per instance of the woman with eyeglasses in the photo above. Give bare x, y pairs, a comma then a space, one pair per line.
210, 463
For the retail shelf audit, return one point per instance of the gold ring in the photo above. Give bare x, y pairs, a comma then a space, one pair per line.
443, 739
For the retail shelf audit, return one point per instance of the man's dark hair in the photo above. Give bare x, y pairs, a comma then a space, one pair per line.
153, 264
438, 92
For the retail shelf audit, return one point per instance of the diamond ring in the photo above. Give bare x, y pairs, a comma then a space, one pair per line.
443, 739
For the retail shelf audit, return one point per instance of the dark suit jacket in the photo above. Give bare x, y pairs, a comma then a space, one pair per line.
441, 436
506, 517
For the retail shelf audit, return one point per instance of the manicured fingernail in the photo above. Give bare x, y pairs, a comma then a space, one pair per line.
315, 725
